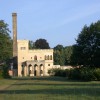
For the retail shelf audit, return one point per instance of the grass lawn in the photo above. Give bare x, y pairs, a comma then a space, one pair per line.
48, 88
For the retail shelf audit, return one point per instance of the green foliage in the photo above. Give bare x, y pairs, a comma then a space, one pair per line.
31, 45
42, 44
62, 55
97, 73
57, 72
75, 74
4, 71
68, 53
84, 73
87, 50
5, 42
59, 57
59, 47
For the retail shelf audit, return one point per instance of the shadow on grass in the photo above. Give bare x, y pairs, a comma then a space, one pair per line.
75, 91
46, 78
66, 87
61, 81
59, 84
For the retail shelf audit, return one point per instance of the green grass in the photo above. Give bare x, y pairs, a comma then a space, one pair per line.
48, 88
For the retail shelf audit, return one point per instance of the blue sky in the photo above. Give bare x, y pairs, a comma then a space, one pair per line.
57, 21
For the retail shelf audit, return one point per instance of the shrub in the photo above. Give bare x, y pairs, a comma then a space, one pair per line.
87, 74
4, 72
57, 72
97, 73
84, 73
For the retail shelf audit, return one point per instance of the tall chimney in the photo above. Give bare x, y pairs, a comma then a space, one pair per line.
14, 20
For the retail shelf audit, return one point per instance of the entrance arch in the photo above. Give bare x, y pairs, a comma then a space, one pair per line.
35, 69
41, 70
29, 69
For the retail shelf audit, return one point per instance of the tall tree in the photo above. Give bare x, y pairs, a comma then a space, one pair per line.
42, 44
88, 46
68, 53
5, 42
59, 57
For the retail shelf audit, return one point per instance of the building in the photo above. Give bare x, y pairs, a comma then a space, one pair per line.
30, 62
33, 62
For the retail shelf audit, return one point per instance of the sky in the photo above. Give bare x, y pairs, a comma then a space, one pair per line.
57, 21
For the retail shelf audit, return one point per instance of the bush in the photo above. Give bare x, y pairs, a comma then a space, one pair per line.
84, 73
4, 72
87, 74
57, 72
97, 73
74, 74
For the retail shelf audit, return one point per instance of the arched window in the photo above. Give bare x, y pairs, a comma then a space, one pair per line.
35, 57
50, 57
45, 57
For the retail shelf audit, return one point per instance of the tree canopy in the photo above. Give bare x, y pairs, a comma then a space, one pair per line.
62, 55
42, 44
59, 55
87, 49
5, 42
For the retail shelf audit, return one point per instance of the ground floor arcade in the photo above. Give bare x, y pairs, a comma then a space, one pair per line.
33, 68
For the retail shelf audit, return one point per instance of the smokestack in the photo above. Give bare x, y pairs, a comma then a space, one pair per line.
14, 20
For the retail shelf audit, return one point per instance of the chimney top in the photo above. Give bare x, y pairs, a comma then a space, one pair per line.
14, 14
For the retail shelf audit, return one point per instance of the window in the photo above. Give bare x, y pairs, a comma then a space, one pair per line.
48, 57
48, 64
45, 57
51, 57
35, 57
22, 48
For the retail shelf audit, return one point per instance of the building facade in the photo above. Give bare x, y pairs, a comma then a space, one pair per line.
28, 62
34, 62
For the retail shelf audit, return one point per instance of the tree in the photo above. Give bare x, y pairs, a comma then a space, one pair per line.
5, 42
88, 46
59, 57
68, 53
42, 44
59, 47
31, 45
5, 49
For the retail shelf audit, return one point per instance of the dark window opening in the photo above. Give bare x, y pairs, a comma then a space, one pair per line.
48, 64
35, 57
